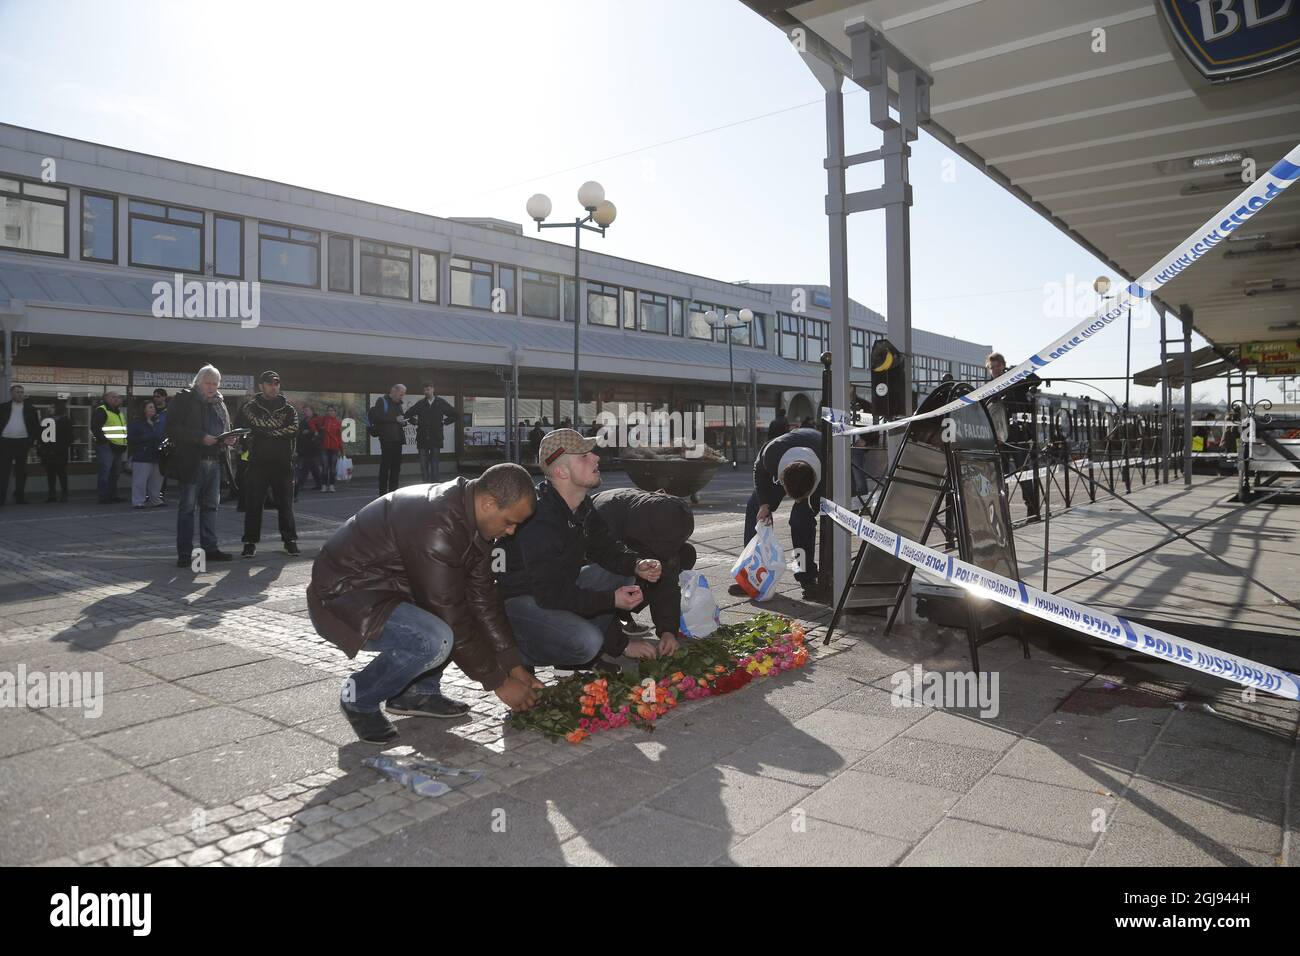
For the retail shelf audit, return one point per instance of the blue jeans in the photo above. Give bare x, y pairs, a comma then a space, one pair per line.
202, 495
546, 636
429, 464
413, 647
109, 457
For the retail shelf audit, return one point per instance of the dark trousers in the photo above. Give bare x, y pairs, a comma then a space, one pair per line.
1018, 461
390, 466
110, 466
278, 476
57, 472
308, 464
13, 458
803, 531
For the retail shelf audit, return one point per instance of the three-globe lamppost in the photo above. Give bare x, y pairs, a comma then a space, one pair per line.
730, 321
591, 196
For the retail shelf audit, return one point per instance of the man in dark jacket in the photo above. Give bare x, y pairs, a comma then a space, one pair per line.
273, 427
410, 576
789, 465
658, 525
1005, 408
196, 418
309, 452
565, 575
20, 430
389, 422
431, 413
778, 426
54, 454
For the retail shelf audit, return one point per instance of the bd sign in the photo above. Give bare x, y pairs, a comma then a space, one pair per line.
1229, 39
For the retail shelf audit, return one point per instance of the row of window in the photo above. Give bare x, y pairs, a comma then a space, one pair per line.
33, 218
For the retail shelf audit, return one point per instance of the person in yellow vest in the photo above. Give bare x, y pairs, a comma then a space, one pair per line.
108, 427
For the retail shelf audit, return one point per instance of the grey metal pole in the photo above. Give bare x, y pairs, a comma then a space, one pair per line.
837, 221
1165, 434
1185, 314
577, 316
731, 378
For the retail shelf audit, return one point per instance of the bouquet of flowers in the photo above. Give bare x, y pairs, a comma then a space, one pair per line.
735, 654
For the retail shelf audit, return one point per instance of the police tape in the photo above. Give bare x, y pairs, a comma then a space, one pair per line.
1067, 613
1216, 229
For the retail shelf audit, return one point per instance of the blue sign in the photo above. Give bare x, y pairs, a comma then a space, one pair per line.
1229, 39
822, 299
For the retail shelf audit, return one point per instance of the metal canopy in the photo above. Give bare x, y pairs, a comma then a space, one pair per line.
1100, 143
1206, 362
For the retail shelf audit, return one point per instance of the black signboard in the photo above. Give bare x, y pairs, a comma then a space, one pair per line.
953, 458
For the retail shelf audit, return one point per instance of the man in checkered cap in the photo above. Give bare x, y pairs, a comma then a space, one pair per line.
566, 576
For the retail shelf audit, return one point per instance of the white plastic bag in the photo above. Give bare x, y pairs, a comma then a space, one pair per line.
700, 613
343, 470
759, 568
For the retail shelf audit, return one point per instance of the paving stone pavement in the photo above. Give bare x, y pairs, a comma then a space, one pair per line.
220, 743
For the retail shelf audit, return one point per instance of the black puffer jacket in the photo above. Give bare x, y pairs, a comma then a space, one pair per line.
418, 545
550, 548
657, 526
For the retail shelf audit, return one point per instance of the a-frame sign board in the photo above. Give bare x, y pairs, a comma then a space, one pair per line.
965, 471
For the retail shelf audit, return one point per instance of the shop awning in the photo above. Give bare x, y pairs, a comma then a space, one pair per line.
1101, 142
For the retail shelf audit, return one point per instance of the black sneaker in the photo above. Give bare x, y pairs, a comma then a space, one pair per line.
372, 728
215, 555
426, 705
634, 629
250, 549
291, 547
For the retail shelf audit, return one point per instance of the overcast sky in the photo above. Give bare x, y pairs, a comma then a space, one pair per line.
703, 125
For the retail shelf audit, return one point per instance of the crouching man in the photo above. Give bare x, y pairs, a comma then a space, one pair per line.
565, 575
410, 576
657, 525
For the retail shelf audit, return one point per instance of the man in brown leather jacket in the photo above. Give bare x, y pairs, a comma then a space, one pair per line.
410, 576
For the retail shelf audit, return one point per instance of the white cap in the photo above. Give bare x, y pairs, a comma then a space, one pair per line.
800, 454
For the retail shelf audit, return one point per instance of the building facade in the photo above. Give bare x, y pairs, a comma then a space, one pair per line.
125, 271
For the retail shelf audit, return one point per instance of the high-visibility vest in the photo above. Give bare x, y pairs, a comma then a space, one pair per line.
114, 426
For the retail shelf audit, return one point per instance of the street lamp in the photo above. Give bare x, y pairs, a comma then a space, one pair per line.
591, 196
729, 322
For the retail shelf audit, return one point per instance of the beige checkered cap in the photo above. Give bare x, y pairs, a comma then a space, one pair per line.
562, 441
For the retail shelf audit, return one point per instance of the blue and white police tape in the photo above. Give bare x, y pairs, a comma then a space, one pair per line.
1059, 610
838, 419
1216, 229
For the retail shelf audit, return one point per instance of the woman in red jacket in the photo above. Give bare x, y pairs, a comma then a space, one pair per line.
330, 430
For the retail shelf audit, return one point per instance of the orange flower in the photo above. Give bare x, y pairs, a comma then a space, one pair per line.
719, 669
576, 736
677, 676
643, 710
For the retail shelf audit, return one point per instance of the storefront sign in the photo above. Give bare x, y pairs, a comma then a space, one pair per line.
50, 375
1225, 39
230, 384
1285, 352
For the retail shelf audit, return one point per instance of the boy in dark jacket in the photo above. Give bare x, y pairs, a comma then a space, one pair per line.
273, 425
565, 575
658, 525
